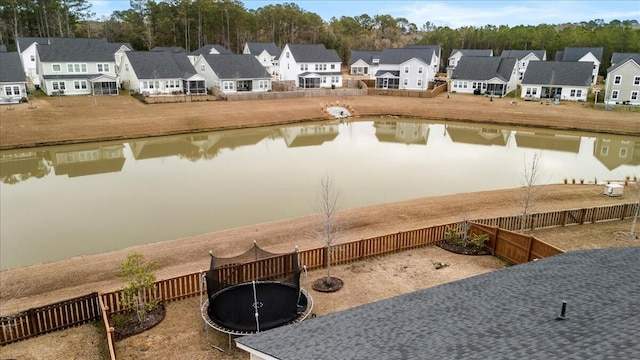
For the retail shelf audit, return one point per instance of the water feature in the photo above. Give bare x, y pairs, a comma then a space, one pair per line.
63, 201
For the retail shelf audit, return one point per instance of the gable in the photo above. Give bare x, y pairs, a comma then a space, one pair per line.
160, 64
484, 68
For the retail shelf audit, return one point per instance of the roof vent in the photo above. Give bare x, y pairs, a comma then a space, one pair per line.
563, 312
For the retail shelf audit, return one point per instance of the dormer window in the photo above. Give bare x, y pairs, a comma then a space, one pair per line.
375, 61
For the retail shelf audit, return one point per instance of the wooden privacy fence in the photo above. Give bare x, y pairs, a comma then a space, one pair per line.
42, 320
514, 247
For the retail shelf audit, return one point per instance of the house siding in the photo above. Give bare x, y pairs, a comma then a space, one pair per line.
290, 69
626, 89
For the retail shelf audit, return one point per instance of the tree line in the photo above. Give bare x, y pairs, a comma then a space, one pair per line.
193, 23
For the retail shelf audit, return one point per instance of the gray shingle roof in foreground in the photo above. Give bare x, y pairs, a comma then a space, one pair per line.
160, 64
11, 67
506, 314
558, 73
237, 66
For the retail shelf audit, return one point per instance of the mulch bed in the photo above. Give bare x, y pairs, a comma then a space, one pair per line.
129, 325
332, 285
459, 249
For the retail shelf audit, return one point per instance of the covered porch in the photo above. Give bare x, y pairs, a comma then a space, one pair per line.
194, 85
104, 85
309, 81
388, 80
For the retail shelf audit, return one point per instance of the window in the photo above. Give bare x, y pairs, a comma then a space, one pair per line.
263, 84
579, 93
524, 64
227, 85
335, 79
333, 66
636, 80
528, 91
318, 66
287, 54
634, 95
126, 67
202, 68
419, 83
375, 61
535, 91
617, 79
614, 94
55, 67
324, 66
80, 85
623, 152
419, 69
406, 69
573, 93
604, 151
405, 82
12, 90
103, 68
33, 58
58, 85
77, 68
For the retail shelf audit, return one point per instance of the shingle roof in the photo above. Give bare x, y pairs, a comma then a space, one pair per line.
505, 314
236, 66
484, 68
576, 53
257, 48
398, 56
520, 54
617, 57
366, 56
78, 49
206, 50
313, 53
558, 73
473, 52
160, 65
435, 48
25, 42
169, 49
11, 67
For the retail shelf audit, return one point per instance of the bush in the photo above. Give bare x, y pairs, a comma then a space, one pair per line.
479, 240
140, 278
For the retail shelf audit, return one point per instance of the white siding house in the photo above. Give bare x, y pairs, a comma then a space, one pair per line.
457, 54
160, 73
310, 66
495, 76
622, 85
523, 57
210, 49
12, 78
406, 68
234, 73
266, 53
365, 63
27, 50
550, 79
583, 54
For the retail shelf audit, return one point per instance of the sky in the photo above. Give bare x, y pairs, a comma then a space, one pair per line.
450, 13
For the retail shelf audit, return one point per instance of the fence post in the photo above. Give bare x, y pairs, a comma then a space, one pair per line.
624, 211
32, 324
564, 218
583, 214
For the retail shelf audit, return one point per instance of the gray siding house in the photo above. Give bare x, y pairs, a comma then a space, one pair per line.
523, 57
622, 84
583, 54
266, 53
496, 76
406, 68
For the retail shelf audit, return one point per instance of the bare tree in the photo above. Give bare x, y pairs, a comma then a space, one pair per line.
632, 233
327, 207
531, 177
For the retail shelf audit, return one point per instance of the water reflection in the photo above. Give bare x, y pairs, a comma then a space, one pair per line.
164, 188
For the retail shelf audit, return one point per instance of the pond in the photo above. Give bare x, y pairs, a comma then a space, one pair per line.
63, 201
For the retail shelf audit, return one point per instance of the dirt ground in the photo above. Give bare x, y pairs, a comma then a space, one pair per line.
74, 119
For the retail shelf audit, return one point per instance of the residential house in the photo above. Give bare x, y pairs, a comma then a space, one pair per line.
580, 304
614, 152
523, 57
364, 63
160, 73
583, 54
13, 84
310, 66
406, 68
485, 135
622, 84
79, 66
234, 72
495, 76
309, 135
409, 133
617, 57
210, 49
266, 53
457, 54
437, 50
562, 79
87, 159
27, 50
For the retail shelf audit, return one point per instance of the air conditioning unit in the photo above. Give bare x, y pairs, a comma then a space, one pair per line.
614, 190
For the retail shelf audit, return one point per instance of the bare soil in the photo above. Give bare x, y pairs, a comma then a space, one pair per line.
180, 334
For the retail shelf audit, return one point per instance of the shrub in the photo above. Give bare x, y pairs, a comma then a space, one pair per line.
479, 240
140, 278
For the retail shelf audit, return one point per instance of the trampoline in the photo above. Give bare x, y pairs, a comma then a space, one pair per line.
253, 292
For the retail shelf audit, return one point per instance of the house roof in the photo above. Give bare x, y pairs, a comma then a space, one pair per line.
576, 53
11, 68
79, 49
484, 68
617, 58
365, 55
621, 60
257, 48
160, 65
313, 53
435, 48
25, 42
395, 73
472, 52
399, 56
236, 66
558, 73
521, 54
211, 49
169, 49
505, 314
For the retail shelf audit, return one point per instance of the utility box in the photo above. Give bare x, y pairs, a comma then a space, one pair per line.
614, 190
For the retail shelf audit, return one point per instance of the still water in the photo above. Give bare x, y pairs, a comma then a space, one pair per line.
64, 201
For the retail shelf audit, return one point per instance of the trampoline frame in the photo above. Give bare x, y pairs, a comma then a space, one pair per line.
207, 322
